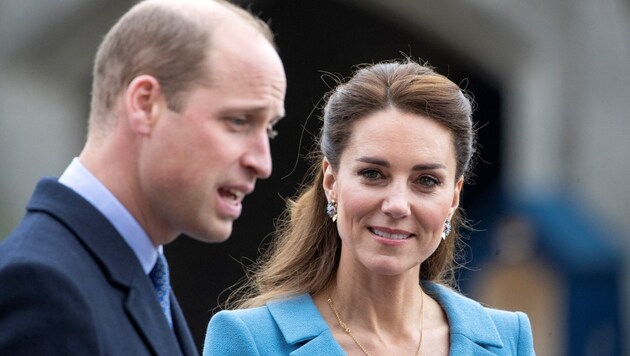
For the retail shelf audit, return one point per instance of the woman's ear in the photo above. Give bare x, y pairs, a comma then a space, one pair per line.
329, 180
456, 194
144, 103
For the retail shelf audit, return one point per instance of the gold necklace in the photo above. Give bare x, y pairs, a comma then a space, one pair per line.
345, 327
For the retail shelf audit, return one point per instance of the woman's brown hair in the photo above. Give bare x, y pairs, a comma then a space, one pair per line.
304, 254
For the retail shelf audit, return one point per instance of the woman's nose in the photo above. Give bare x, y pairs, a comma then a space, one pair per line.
396, 203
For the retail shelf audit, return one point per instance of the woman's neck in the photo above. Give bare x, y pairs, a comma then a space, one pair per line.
387, 314
378, 302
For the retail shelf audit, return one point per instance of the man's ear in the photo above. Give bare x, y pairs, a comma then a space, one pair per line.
144, 103
330, 179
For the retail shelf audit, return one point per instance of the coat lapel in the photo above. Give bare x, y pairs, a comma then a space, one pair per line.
472, 328
301, 324
462, 345
324, 344
117, 260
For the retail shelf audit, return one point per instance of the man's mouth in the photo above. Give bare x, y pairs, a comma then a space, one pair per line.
233, 195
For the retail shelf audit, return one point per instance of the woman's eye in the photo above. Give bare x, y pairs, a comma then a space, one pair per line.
371, 174
427, 181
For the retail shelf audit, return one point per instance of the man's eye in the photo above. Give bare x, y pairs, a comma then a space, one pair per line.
238, 121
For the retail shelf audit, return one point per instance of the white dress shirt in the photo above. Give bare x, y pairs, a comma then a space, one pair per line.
82, 181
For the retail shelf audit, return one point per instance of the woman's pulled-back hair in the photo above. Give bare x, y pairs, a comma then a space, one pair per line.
304, 254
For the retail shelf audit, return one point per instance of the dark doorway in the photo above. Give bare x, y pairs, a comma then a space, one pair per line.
315, 36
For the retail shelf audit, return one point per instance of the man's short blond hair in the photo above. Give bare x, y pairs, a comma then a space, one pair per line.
160, 41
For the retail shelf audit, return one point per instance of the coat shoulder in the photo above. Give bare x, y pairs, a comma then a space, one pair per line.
474, 326
242, 332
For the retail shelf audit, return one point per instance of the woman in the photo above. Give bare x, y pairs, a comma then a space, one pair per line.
380, 214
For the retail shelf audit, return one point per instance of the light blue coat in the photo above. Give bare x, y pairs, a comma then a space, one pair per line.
295, 327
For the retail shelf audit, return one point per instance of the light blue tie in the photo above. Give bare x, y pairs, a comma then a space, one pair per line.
159, 277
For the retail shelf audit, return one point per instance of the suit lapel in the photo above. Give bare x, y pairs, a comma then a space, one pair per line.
116, 259
180, 327
149, 319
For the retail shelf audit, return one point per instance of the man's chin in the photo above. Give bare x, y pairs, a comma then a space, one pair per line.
217, 236
212, 236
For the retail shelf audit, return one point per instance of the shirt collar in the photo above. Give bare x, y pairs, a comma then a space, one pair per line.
78, 178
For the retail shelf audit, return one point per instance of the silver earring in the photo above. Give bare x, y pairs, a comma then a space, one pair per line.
331, 210
447, 229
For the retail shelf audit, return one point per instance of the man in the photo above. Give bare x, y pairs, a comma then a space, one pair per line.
185, 97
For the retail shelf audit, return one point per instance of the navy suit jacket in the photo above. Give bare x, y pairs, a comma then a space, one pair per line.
295, 327
70, 285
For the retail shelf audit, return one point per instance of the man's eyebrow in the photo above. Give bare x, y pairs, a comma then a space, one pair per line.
256, 109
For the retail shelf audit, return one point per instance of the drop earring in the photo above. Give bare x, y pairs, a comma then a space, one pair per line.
331, 210
447, 229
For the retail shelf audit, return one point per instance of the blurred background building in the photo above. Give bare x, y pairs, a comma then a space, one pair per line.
550, 202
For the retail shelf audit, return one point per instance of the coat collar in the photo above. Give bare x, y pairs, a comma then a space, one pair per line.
299, 321
117, 260
472, 328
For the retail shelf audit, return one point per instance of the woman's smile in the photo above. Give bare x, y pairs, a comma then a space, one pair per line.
390, 234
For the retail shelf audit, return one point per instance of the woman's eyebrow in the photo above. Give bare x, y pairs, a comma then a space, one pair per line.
417, 167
